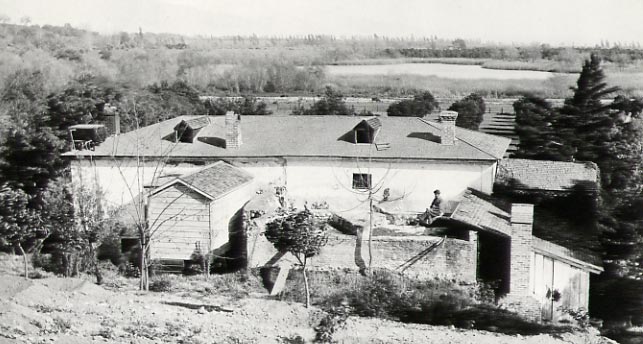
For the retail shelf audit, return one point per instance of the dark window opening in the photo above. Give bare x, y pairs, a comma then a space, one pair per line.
363, 135
361, 181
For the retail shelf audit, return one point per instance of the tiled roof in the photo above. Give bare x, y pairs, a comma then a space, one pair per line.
305, 136
194, 123
373, 122
545, 175
214, 180
475, 211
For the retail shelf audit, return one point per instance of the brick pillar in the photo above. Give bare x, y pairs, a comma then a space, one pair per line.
522, 216
232, 130
447, 118
473, 242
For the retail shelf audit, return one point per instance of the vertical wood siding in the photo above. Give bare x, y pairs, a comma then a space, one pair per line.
180, 222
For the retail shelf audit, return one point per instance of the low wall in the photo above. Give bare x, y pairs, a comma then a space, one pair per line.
417, 256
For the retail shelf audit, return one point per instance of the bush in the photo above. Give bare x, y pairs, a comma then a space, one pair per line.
421, 105
332, 104
245, 106
161, 284
470, 111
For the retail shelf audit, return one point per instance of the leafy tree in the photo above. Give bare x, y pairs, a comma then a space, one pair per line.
83, 101
331, 104
29, 159
20, 225
534, 117
158, 103
76, 221
421, 105
470, 111
246, 106
628, 108
299, 234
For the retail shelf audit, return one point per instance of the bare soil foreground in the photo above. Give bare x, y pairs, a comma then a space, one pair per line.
67, 311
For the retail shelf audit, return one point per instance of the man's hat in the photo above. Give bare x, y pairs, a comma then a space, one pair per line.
436, 192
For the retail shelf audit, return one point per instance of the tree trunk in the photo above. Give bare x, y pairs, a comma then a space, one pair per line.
97, 273
306, 286
26, 261
370, 229
144, 285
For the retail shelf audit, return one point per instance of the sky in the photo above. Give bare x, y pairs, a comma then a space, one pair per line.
577, 22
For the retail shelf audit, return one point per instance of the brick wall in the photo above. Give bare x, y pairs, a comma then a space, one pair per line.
453, 258
233, 130
521, 248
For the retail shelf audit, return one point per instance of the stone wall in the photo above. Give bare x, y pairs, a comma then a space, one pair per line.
417, 256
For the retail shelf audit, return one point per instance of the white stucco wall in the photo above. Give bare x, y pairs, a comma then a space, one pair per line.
121, 180
414, 182
223, 209
309, 180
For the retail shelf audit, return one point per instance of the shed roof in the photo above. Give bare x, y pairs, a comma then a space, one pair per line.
546, 175
478, 210
475, 211
213, 181
306, 136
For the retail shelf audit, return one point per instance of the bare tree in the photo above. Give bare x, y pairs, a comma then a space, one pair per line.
149, 229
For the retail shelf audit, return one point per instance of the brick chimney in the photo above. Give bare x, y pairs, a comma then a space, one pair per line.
522, 219
113, 119
232, 130
447, 118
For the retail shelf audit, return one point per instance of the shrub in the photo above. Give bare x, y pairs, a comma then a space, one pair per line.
244, 106
161, 284
421, 105
470, 111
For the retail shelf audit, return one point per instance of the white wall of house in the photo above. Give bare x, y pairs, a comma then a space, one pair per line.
120, 179
331, 181
311, 180
223, 209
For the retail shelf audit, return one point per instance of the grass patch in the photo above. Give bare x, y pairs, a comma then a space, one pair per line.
236, 285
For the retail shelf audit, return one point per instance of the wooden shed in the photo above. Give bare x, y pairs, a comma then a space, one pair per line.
191, 213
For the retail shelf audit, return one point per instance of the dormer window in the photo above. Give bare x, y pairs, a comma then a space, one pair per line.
366, 131
363, 135
188, 130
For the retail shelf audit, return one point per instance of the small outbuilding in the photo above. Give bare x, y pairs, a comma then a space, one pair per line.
192, 212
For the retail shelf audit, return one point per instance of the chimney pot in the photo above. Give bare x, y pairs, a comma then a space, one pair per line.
448, 118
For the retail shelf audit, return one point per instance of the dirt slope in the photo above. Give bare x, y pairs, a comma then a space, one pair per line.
67, 311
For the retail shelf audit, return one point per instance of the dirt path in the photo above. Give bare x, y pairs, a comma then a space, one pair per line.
72, 311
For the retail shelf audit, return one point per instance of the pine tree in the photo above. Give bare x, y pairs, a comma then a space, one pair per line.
585, 123
534, 117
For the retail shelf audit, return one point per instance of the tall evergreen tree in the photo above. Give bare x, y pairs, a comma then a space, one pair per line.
584, 123
534, 117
